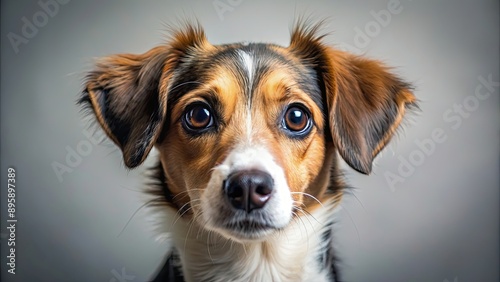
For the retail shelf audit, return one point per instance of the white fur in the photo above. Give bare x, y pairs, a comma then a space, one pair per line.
277, 210
211, 252
288, 255
247, 61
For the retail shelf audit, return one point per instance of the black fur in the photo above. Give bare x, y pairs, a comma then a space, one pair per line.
328, 258
171, 270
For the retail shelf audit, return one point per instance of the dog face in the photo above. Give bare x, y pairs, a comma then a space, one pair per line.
247, 133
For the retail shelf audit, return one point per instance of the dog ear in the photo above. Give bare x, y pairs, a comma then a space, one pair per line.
365, 101
366, 104
128, 93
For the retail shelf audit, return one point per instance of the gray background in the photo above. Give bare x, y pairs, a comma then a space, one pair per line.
440, 224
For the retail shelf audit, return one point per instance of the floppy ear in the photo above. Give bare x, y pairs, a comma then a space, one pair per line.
365, 102
128, 94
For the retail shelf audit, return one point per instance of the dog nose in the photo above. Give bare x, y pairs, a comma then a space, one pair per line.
248, 189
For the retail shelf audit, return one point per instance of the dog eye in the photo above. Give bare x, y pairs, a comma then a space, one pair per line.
297, 120
198, 117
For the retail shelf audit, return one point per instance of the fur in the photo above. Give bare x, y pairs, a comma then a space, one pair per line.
247, 185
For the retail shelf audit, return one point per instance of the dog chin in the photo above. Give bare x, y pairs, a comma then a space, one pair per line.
246, 230
247, 234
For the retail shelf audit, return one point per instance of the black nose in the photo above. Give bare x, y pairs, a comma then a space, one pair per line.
248, 189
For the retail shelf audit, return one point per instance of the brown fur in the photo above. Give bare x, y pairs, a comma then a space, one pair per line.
364, 103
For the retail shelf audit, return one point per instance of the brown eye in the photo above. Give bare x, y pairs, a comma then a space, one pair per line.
297, 120
198, 117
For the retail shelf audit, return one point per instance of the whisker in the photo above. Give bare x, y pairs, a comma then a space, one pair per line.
304, 212
202, 225
208, 247
225, 241
232, 244
308, 213
185, 192
191, 223
244, 248
350, 217
310, 196
305, 227
359, 201
132, 216
185, 211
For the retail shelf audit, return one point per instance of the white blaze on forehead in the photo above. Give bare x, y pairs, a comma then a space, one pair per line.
247, 62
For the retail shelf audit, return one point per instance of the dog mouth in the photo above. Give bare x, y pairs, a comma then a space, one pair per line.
249, 229
249, 226
240, 226
247, 197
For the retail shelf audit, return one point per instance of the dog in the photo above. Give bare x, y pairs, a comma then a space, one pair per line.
248, 137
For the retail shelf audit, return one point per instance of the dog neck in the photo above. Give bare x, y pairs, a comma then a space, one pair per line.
302, 251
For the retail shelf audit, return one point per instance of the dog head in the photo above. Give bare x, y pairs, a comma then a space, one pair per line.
248, 133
